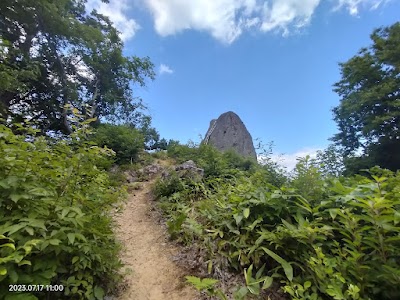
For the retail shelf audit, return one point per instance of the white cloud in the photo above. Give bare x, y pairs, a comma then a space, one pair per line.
353, 6
116, 10
290, 160
226, 20
282, 14
223, 19
164, 69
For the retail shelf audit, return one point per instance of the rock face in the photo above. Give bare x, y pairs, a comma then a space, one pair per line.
228, 132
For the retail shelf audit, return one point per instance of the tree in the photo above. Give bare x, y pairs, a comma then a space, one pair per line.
55, 56
150, 134
307, 178
127, 142
330, 161
368, 115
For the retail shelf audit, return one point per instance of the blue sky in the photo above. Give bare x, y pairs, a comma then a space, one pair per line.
272, 62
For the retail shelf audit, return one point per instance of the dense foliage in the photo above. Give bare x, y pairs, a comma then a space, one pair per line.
125, 141
54, 54
54, 222
313, 234
218, 164
318, 238
368, 116
60, 66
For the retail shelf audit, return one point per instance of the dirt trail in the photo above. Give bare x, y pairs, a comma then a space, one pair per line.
148, 253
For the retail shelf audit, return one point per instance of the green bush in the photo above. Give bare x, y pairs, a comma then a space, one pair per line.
165, 187
215, 163
54, 222
308, 180
328, 239
182, 153
127, 142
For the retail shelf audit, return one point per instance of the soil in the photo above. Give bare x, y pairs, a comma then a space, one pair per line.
148, 254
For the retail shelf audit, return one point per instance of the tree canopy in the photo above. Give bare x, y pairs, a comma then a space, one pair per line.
54, 55
368, 115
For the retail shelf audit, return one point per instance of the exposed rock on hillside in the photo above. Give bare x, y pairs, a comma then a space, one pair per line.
188, 169
229, 132
146, 172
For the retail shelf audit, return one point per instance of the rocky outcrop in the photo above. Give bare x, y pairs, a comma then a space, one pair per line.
229, 132
188, 170
144, 173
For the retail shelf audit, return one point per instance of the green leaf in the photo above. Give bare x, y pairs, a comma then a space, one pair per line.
44, 245
205, 284
98, 292
36, 223
64, 212
30, 244
238, 218
38, 191
71, 237
70, 280
54, 242
267, 282
260, 271
16, 197
307, 285
3, 237
80, 236
14, 228
3, 271
288, 225
254, 289
255, 223
24, 262
9, 245
75, 259
246, 212
48, 274
29, 230
13, 276
4, 184
18, 258
248, 274
195, 281
285, 265
241, 293
333, 212
209, 266
209, 282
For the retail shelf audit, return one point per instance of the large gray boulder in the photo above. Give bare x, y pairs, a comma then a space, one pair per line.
229, 132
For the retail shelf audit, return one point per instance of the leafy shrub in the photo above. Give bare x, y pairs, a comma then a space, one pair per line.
215, 163
207, 285
126, 141
322, 238
165, 187
182, 153
307, 179
54, 223
162, 154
